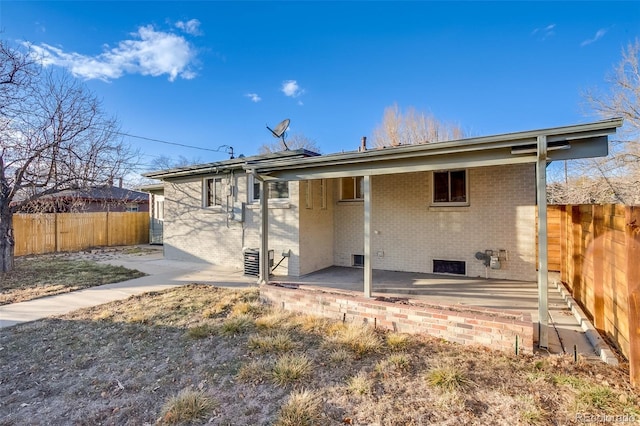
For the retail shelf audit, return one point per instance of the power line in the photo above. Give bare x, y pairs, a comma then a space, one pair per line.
218, 149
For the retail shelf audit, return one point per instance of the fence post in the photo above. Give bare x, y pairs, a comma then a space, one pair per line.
56, 228
633, 286
598, 265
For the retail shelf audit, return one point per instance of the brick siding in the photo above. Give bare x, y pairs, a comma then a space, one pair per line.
468, 326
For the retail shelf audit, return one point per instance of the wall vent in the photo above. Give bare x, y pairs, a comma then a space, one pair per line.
458, 267
357, 260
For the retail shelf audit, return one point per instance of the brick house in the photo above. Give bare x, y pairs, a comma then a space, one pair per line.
464, 207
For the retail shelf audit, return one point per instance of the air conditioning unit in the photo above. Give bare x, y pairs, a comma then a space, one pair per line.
252, 262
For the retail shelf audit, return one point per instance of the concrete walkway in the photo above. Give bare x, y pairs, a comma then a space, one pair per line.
163, 274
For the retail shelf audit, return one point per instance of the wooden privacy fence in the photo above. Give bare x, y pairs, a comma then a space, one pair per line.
56, 232
554, 256
600, 251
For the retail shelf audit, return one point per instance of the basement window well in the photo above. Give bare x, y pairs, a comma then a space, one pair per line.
457, 267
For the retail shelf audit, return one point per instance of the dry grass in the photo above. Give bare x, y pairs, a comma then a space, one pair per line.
40, 276
360, 384
303, 408
187, 407
237, 324
290, 368
275, 342
127, 362
450, 378
361, 339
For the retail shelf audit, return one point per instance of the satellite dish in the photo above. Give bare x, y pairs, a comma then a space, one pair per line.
279, 131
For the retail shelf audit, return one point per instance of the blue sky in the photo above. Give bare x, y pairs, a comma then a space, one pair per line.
209, 73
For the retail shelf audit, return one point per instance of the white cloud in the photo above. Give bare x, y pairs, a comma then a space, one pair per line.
545, 32
290, 88
149, 52
599, 34
254, 97
192, 27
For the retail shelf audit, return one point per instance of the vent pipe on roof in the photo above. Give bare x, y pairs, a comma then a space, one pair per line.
363, 144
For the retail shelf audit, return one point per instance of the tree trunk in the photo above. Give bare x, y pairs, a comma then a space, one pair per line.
6, 240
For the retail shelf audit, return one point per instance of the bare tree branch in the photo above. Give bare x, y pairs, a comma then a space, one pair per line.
54, 135
412, 127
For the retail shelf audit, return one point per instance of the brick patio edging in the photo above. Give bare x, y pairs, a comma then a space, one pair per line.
492, 328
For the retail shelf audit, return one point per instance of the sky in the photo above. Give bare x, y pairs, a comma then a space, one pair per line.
209, 73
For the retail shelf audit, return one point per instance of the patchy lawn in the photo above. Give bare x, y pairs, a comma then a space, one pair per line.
46, 275
201, 354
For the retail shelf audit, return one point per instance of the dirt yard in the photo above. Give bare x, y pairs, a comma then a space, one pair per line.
49, 274
205, 355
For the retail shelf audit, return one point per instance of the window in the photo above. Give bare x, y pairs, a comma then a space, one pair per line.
132, 208
213, 192
277, 190
450, 187
351, 188
159, 211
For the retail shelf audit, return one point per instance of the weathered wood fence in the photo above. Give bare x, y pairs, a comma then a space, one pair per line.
58, 232
600, 264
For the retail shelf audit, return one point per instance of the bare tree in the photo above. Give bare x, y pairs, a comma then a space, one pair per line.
615, 178
54, 136
412, 127
295, 141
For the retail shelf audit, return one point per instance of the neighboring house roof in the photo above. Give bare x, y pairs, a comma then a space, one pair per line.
102, 193
228, 165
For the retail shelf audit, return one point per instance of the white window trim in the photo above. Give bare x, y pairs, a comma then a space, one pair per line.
205, 192
433, 203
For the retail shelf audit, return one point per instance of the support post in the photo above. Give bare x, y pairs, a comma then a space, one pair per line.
543, 259
264, 232
368, 272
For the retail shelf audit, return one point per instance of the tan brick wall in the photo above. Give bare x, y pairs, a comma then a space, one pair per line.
195, 233
409, 233
487, 327
316, 226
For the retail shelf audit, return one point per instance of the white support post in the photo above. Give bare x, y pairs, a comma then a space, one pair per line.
543, 260
368, 272
264, 233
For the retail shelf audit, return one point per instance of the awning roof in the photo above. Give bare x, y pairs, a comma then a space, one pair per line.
563, 143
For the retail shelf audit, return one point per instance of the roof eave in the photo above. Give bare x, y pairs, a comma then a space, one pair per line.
485, 143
